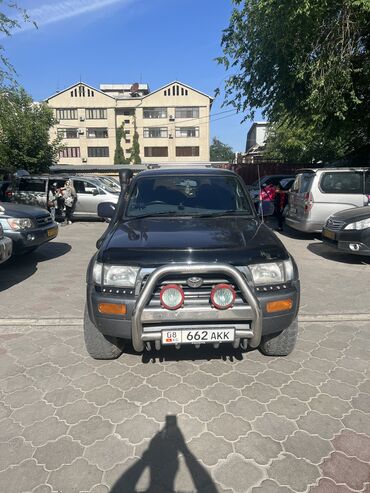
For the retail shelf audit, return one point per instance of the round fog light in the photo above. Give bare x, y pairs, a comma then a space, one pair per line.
172, 297
223, 296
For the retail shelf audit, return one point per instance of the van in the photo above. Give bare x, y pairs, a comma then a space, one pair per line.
33, 190
316, 194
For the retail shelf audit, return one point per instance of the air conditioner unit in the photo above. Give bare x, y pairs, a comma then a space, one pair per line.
171, 118
84, 159
81, 131
82, 118
170, 136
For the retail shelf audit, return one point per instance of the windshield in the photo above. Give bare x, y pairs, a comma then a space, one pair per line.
102, 184
187, 195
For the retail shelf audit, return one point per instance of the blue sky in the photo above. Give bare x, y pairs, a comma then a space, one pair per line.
124, 41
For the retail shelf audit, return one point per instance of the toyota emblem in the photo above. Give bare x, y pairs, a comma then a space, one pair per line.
194, 282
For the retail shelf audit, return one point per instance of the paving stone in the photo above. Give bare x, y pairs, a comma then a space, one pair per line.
259, 448
95, 428
229, 426
43, 371
14, 452
137, 428
147, 370
52, 382
319, 364
5, 411
298, 390
103, 395
163, 380
319, 424
111, 370
182, 393
143, 394
25, 396
333, 406
346, 470
10, 429
17, 382
287, 406
334, 343
353, 444
43, 488
221, 393
190, 426
8, 367
76, 411
209, 448
273, 378
41, 432
216, 367
236, 379
361, 402
277, 427
284, 365
348, 376
237, 474
89, 382
119, 410
160, 408
269, 486
353, 364
204, 409
131, 476
108, 452
75, 478
200, 379
23, 477
326, 354
357, 421
295, 473
328, 486
306, 375
251, 367
60, 452
99, 488
127, 381
30, 413
246, 408
61, 397
339, 389
181, 368
260, 392
364, 387
306, 446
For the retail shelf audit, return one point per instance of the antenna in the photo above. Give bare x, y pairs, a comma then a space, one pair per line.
260, 193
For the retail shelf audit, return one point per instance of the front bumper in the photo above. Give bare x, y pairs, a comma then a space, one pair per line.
354, 242
31, 238
143, 322
6, 248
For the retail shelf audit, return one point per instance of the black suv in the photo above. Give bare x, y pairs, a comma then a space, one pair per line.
186, 260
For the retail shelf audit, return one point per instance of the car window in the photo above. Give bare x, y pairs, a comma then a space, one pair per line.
342, 182
367, 183
31, 185
305, 182
82, 186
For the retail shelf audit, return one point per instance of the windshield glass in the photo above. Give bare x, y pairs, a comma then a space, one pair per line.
187, 195
100, 183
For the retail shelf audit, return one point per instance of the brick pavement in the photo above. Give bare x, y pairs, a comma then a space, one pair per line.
223, 422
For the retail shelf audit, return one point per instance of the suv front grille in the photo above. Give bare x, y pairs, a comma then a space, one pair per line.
44, 220
334, 224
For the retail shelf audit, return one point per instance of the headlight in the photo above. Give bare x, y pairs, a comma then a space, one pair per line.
97, 273
365, 223
19, 223
272, 272
119, 275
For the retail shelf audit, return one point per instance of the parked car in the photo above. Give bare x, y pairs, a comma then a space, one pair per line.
4, 191
186, 260
33, 190
28, 227
349, 231
6, 245
265, 181
319, 193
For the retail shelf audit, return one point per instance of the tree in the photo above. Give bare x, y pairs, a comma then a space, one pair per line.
24, 133
135, 149
220, 151
8, 24
305, 59
119, 155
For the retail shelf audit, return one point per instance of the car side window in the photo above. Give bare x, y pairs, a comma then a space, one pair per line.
367, 183
342, 182
31, 185
82, 186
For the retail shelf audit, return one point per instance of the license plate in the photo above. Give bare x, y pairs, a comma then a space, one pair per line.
329, 234
197, 336
52, 232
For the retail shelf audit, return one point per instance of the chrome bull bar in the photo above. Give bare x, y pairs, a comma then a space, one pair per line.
138, 335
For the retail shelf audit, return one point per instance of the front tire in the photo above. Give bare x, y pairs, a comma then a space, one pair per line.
99, 346
282, 343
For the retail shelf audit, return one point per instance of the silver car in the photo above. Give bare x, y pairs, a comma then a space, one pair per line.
318, 193
6, 245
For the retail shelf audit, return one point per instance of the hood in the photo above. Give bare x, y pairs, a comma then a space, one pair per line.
354, 214
156, 241
20, 210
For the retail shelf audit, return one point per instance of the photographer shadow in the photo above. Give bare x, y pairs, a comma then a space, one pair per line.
162, 460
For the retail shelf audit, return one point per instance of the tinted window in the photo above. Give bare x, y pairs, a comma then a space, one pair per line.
367, 183
29, 185
305, 183
342, 182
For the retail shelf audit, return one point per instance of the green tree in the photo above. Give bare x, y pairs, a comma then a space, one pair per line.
24, 133
135, 149
305, 59
11, 18
220, 151
119, 155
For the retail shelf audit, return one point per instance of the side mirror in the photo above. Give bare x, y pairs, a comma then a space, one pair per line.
106, 210
95, 191
266, 208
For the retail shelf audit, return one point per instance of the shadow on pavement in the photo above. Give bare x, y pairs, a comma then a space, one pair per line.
324, 251
21, 267
161, 458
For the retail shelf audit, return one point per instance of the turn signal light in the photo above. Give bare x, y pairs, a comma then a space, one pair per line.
279, 306
112, 309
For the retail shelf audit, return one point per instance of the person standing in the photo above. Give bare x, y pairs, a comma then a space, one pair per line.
280, 202
52, 200
70, 198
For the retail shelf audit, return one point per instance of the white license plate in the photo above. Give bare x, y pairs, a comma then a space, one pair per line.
197, 336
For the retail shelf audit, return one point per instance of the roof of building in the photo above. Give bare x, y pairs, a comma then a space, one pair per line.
182, 83
78, 84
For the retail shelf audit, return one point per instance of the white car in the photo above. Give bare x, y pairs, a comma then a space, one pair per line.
6, 245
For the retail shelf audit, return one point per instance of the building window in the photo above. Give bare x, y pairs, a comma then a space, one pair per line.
68, 133
187, 112
127, 121
127, 132
187, 151
176, 91
156, 151
96, 113
155, 113
98, 151
66, 114
187, 131
155, 132
128, 141
70, 152
97, 133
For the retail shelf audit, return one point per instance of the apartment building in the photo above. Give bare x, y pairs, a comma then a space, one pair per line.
172, 122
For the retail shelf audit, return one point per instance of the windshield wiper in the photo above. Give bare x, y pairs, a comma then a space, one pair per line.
223, 213
155, 214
